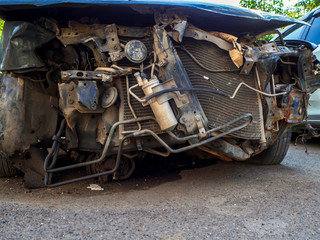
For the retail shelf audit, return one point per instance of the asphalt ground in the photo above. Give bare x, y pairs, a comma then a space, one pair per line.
176, 198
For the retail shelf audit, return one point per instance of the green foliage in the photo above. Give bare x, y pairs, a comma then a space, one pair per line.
273, 6
1, 26
267, 37
307, 5
277, 6
302, 7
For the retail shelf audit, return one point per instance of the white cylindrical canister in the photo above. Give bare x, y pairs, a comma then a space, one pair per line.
162, 112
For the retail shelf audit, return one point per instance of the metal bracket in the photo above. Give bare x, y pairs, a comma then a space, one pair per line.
199, 34
249, 56
69, 100
293, 113
202, 130
112, 45
269, 48
86, 75
252, 55
94, 34
87, 92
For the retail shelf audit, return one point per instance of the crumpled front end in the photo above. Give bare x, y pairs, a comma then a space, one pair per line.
114, 91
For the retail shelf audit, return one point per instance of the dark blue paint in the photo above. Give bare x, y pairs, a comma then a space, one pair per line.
210, 6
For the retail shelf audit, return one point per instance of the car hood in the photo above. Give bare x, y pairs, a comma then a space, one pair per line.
235, 19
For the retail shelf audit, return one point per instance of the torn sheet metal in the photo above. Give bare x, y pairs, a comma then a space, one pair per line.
181, 27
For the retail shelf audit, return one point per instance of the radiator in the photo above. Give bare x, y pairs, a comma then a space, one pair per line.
219, 109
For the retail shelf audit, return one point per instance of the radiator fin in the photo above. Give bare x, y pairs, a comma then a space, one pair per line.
218, 109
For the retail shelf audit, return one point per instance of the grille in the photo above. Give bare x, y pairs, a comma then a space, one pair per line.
218, 109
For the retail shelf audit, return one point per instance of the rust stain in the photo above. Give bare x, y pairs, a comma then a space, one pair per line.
222, 157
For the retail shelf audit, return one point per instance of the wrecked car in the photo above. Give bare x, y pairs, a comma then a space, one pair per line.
95, 84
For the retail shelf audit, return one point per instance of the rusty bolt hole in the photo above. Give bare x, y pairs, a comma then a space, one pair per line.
80, 74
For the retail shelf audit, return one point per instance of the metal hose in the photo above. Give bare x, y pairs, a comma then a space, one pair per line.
55, 148
210, 139
105, 149
56, 145
118, 159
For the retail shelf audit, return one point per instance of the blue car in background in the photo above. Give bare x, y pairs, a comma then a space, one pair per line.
98, 84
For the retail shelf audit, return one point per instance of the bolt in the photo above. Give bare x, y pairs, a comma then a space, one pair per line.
184, 101
70, 101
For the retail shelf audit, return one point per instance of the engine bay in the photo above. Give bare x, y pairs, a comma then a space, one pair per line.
102, 94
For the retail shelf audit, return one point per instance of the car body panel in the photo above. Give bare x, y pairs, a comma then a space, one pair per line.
243, 18
314, 109
211, 6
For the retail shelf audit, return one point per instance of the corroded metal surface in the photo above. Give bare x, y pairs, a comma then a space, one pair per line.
169, 82
26, 113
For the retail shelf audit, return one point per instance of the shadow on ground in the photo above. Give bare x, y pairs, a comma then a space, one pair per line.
153, 171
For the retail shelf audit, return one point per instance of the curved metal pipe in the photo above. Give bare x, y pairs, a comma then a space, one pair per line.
105, 149
118, 159
55, 148
166, 146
